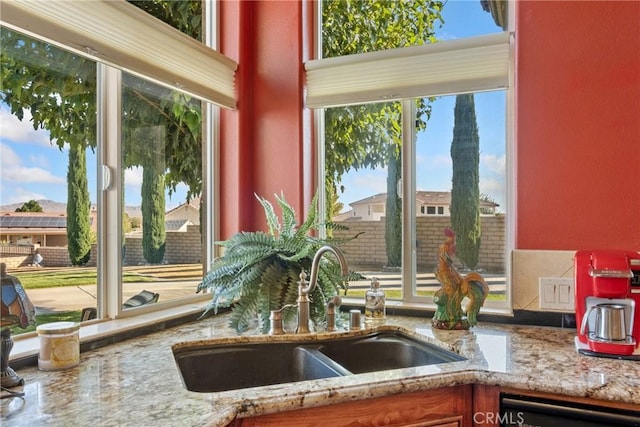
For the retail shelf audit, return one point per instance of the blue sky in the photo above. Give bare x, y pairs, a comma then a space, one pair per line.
31, 167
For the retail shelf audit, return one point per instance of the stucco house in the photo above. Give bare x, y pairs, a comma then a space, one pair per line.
189, 211
428, 203
37, 228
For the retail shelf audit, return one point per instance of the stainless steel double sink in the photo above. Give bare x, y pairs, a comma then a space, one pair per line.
220, 367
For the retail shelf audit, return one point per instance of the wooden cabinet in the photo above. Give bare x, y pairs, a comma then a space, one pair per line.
443, 407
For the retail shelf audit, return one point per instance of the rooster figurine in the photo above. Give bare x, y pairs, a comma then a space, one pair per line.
455, 287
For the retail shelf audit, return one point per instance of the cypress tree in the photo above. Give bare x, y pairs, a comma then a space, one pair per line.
153, 207
465, 192
393, 220
78, 207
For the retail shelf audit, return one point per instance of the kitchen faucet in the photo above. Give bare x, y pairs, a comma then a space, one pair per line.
305, 288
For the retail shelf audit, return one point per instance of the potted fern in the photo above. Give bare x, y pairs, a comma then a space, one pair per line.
259, 271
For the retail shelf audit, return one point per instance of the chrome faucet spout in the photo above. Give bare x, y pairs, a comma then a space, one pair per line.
306, 288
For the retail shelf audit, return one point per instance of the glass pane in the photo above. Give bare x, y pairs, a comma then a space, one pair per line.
183, 15
50, 175
362, 168
358, 26
162, 162
467, 18
480, 175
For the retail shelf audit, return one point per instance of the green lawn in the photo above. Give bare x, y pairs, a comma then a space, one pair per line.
43, 278
41, 319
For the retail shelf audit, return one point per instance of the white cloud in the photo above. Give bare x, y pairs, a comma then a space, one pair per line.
40, 159
14, 171
496, 190
21, 131
133, 177
494, 164
375, 182
20, 195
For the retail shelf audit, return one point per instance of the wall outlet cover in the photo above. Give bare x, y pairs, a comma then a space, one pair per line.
557, 294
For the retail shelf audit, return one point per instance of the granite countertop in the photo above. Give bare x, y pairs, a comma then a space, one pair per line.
136, 382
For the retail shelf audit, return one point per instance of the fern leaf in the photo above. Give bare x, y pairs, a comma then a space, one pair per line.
312, 215
245, 311
272, 218
288, 217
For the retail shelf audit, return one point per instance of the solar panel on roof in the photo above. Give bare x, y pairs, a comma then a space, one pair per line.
33, 222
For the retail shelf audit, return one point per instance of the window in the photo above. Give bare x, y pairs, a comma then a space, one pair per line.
132, 139
374, 146
53, 170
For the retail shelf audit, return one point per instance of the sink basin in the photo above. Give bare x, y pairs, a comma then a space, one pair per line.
220, 367
385, 350
229, 367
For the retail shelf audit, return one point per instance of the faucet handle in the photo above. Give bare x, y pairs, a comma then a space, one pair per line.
330, 314
275, 321
303, 284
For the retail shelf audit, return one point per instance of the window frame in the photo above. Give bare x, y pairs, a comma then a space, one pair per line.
408, 186
108, 161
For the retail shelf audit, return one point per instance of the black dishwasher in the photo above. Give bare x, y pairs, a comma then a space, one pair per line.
526, 411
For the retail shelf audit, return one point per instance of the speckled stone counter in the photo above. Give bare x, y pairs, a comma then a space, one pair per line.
136, 382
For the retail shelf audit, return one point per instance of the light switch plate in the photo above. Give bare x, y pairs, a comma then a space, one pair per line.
557, 293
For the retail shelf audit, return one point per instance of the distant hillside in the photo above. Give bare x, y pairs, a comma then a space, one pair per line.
49, 206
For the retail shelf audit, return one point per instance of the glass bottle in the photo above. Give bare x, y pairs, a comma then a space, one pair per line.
374, 304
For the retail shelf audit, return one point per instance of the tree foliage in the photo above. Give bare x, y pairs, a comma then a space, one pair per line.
465, 192
78, 226
30, 206
370, 136
153, 206
59, 89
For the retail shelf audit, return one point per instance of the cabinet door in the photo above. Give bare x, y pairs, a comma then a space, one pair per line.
448, 406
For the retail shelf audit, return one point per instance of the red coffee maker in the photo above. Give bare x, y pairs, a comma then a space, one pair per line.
607, 298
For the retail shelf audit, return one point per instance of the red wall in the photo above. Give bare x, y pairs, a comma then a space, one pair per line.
577, 119
266, 141
578, 125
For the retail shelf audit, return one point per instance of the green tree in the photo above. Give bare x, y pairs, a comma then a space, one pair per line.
30, 206
465, 191
153, 204
369, 136
78, 227
126, 223
59, 89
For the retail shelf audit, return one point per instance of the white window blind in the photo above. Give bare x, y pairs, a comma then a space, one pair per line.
448, 67
119, 34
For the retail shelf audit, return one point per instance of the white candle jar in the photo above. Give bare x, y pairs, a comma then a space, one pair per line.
59, 345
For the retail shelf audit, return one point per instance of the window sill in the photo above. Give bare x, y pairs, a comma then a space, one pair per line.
395, 307
95, 334
100, 333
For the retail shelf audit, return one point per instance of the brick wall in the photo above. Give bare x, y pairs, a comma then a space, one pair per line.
368, 249
181, 248
52, 257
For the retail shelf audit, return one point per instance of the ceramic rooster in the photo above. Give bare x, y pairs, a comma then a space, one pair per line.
455, 287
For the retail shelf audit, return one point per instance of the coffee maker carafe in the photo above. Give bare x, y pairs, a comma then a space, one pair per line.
607, 298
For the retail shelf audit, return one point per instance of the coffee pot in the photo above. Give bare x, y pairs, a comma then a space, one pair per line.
607, 296
610, 322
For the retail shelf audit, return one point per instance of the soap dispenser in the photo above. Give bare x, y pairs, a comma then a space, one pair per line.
374, 304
